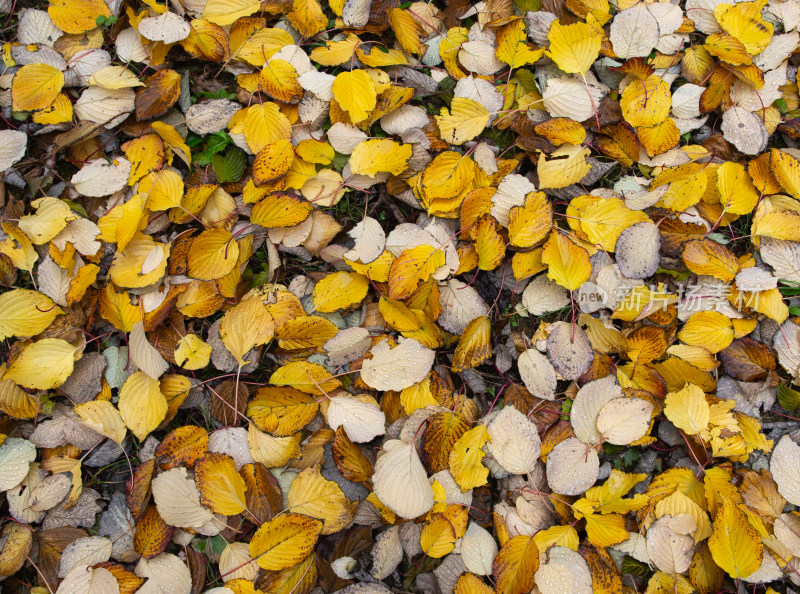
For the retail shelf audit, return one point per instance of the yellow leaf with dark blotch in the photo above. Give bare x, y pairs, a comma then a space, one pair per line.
18, 540
207, 41
744, 21
567, 263
292, 580
59, 112
705, 575
146, 155
313, 495
192, 352
349, 459
264, 499
284, 541
160, 92
26, 313
704, 256
306, 332
786, 170
471, 584
646, 102
279, 79
307, 17
372, 157
529, 224
281, 411
441, 432
561, 131
310, 378
688, 409
475, 345
152, 534
182, 447
407, 30
512, 45
339, 290
728, 49
574, 47
489, 243
35, 86
737, 194
735, 545
247, 325
412, 266
466, 458
77, 16
142, 404
646, 344
515, 565
272, 162
565, 166
281, 209
465, 120
355, 93
441, 530
212, 255
221, 488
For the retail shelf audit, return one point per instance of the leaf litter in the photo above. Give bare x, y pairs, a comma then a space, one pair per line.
365, 296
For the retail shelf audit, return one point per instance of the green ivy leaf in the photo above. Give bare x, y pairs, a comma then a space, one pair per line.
230, 166
788, 398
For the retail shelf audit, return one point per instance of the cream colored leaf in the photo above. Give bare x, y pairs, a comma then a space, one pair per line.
144, 355
398, 368
362, 421
572, 467
178, 500
400, 480
515, 442
624, 420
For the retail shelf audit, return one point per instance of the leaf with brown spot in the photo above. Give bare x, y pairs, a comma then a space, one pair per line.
760, 493
152, 534
263, 495
182, 447
747, 360
705, 256
515, 565
349, 459
51, 544
298, 579
440, 435
138, 488
606, 578
281, 411
160, 92
127, 580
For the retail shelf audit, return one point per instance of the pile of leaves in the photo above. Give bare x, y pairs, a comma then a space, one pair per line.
377, 297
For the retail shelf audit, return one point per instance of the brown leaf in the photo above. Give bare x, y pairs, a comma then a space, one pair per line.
182, 447
747, 360
152, 534
228, 404
264, 498
139, 487
160, 92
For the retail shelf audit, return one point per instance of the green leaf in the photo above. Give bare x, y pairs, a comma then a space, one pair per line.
788, 398
631, 566
230, 166
216, 143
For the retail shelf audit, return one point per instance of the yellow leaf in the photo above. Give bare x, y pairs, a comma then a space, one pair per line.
529, 224
380, 156
225, 12
407, 30
281, 209
737, 194
221, 488
688, 409
247, 325
336, 53
212, 255
207, 41
704, 256
162, 189
786, 170
489, 244
678, 503
35, 86
284, 541
339, 290
310, 378
413, 265
735, 545
708, 329
466, 457
602, 530
563, 167
77, 16
52, 215
44, 364
141, 404
441, 530
279, 79
515, 565
567, 263
272, 162
141, 263
512, 45
609, 496
312, 495
120, 224
281, 411
175, 141
475, 345
646, 102
574, 47
59, 112
465, 120
355, 93
114, 77
307, 17
101, 416
603, 221
117, 309
192, 353
560, 536
26, 313
744, 21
